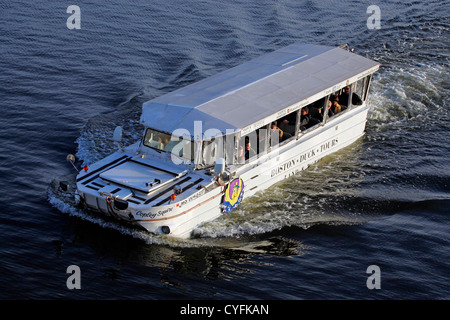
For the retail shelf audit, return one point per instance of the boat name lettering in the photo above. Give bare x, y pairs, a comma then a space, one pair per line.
193, 197
153, 215
303, 157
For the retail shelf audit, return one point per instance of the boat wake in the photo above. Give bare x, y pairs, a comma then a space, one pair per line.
275, 245
413, 93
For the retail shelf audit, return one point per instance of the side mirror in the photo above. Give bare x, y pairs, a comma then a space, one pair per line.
71, 158
117, 136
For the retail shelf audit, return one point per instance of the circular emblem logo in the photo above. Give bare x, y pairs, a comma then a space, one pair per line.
233, 195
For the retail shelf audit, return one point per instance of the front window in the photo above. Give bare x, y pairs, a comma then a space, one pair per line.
161, 141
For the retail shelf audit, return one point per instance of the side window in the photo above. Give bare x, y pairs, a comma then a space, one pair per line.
211, 150
250, 146
208, 153
312, 115
287, 126
349, 97
262, 140
339, 101
230, 148
357, 92
247, 147
283, 129
275, 134
365, 90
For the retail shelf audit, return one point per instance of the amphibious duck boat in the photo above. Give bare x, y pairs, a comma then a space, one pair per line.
209, 145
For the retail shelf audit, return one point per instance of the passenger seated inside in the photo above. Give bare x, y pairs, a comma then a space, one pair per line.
330, 112
275, 130
306, 121
165, 141
316, 109
287, 125
335, 106
249, 152
343, 97
157, 143
275, 134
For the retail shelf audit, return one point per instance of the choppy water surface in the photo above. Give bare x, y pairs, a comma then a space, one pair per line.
382, 201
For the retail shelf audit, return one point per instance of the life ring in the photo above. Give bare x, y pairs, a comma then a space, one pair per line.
234, 193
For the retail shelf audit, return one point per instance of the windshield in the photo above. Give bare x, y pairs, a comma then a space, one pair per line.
178, 146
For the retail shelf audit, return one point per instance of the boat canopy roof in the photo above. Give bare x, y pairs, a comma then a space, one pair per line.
256, 92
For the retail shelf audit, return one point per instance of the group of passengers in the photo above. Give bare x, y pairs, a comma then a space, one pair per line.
248, 150
313, 114
160, 142
284, 129
310, 116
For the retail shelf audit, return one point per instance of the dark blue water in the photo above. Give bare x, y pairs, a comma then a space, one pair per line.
383, 201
